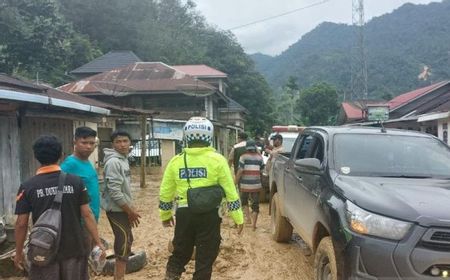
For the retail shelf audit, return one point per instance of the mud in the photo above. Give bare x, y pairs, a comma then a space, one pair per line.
252, 255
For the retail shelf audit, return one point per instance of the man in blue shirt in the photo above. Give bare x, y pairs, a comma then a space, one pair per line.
78, 163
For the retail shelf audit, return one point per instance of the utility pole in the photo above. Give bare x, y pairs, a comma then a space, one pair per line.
143, 150
358, 53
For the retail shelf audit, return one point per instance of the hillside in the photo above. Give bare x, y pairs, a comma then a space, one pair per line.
49, 38
398, 45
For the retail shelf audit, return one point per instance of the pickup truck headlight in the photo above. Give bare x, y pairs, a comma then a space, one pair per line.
364, 222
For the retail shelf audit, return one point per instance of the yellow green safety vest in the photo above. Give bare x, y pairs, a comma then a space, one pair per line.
206, 168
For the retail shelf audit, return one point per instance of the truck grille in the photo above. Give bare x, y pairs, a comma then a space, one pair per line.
441, 236
437, 239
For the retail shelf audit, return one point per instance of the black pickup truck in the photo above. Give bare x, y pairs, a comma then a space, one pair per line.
370, 203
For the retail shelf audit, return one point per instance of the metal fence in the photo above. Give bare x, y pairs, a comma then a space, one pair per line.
153, 152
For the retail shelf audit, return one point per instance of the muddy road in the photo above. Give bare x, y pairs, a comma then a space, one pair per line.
252, 255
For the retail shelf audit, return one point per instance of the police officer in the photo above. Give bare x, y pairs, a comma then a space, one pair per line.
206, 168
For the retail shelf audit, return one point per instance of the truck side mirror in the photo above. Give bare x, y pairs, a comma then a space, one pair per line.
309, 164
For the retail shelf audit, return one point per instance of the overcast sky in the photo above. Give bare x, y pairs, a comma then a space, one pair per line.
276, 35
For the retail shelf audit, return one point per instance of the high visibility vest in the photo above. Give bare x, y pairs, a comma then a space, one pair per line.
206, 167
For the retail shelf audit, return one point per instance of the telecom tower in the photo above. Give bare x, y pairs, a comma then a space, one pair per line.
358, 53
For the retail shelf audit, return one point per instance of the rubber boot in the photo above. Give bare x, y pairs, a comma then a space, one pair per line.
254, 219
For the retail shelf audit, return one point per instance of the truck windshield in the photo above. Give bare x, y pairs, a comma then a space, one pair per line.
391, 156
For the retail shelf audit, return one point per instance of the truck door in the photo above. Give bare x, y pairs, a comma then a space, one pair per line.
310, 185
291, 182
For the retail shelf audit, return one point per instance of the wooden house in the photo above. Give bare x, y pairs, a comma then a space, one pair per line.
172, 92
27, 111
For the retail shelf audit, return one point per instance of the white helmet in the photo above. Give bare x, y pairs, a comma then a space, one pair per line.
198, 129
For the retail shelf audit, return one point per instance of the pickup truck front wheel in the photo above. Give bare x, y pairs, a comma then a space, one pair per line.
280, 227
325, 261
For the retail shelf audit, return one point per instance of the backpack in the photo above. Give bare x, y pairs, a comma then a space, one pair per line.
45, 235
202, 199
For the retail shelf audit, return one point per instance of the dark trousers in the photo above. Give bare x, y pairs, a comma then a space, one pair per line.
201, 231
70, 269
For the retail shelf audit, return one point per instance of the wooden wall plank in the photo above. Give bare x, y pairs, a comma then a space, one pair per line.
33, 128
9, 166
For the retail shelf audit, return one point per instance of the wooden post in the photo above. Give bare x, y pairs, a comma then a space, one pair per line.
143, 149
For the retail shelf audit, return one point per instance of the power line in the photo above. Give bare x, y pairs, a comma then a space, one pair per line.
280, 15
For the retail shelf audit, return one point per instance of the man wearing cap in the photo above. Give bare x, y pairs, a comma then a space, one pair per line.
204, 167
249, 177
274, 150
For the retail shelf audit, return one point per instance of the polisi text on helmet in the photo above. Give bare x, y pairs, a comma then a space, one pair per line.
197, 126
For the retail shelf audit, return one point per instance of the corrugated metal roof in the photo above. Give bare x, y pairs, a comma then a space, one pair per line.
200, 70
21, 85
106, 62
409, 96
355, 110
139, 77
351, 111
8, 81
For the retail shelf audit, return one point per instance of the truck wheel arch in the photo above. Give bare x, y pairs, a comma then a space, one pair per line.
281, 229
319, 233
325, 261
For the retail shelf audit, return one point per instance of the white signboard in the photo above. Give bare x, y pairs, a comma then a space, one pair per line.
377, 113
167, 130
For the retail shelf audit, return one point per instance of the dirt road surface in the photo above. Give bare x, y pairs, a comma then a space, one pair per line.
252, 255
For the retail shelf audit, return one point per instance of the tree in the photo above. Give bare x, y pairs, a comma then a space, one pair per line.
318, 105
386, 96
172, 31
285, 106
37, 41
52, 37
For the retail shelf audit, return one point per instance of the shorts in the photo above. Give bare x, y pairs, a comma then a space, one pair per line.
70, 269
254, 197
123, 237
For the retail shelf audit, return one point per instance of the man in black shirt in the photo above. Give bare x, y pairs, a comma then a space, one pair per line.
36, 195
237, 151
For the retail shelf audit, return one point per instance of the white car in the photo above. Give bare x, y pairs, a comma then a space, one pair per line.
152, 151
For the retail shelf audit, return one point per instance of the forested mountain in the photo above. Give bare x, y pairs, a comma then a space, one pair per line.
46, 39
398, 45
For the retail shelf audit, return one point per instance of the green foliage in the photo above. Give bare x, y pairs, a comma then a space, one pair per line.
398, 44
173, 32
52, 37
287, 99
37, 41
318, 105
